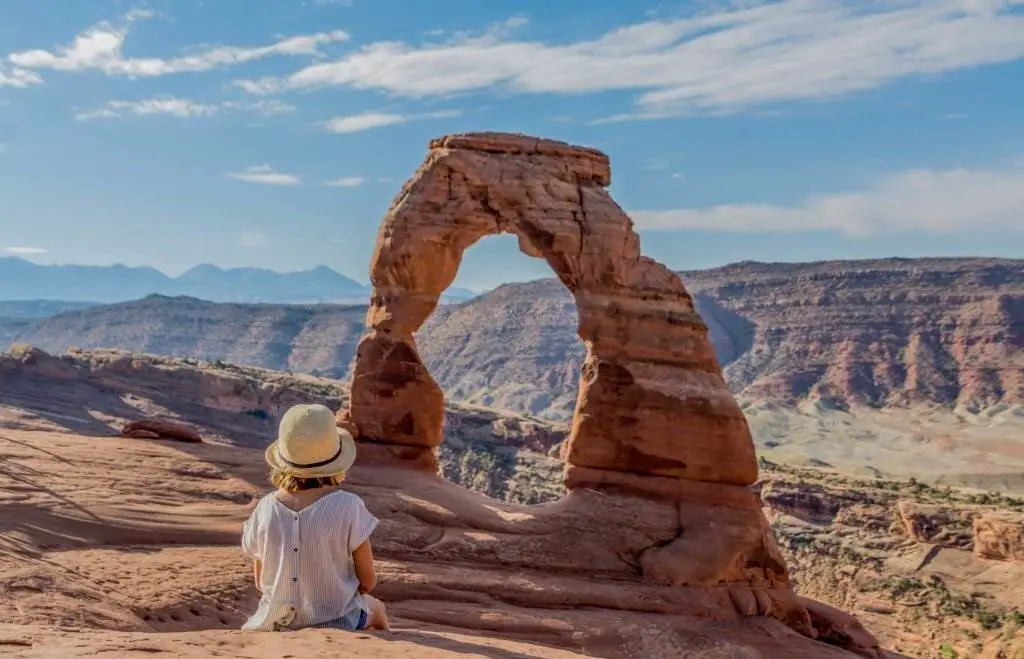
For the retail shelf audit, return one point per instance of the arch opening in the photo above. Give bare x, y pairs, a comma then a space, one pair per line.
509, 364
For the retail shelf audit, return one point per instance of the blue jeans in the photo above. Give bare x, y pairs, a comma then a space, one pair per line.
353, 622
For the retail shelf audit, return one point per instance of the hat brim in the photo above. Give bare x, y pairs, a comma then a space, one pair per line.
339, 465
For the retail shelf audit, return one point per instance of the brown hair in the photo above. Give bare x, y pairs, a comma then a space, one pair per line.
285, 481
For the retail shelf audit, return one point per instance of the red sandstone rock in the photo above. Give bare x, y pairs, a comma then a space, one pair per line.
935, 524
161, 429
652, 398
141, 434
999, 536
842, 629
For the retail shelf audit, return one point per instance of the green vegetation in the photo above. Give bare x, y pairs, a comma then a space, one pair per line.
823, 545
946, 651
485, 467
477, 467
910, 487
947, 602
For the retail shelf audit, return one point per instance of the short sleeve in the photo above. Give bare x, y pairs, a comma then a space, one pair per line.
361, 524
249, 533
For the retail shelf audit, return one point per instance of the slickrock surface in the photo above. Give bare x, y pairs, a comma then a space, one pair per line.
146, 558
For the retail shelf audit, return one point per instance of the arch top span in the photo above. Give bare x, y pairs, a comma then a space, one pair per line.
652, 400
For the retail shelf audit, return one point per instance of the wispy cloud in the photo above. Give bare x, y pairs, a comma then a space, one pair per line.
951, 201
264, 107
368, 120
175, 107
365, 121
181, 108
101, 48
265, 175
347, 182
723, 60
25, 251
14, 77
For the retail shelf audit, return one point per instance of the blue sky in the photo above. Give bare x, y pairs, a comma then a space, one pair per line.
276, 132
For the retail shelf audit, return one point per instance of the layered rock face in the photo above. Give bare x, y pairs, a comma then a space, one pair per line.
656, 432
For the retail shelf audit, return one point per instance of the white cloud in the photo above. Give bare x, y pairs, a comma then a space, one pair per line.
100, 48
265, 175
25, 251
182, 108
945, 202
175, 107
347, 182
264, 107
253, 240
717, 61
368, 120
365, 121
18, 77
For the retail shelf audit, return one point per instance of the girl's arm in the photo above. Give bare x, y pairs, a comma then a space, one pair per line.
257, 573
363, 559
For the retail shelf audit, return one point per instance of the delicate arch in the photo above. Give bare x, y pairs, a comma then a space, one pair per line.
652, 399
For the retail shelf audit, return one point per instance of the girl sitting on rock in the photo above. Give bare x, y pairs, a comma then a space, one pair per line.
309, 540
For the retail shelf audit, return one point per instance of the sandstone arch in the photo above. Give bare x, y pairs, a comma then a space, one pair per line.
652, 400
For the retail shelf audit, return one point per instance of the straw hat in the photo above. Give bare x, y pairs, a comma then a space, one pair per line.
310, 445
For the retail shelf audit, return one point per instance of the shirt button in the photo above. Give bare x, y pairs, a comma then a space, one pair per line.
295, 578
296, 549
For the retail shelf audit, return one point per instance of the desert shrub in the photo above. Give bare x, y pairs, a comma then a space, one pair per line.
988, 619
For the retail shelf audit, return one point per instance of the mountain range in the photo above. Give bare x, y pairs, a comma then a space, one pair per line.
947, 332
24, 280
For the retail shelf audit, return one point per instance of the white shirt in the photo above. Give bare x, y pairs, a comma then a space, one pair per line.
308, 574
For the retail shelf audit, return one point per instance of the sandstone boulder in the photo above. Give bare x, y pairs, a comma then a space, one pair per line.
1000, 536
162, 429
839, 628
935, 524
